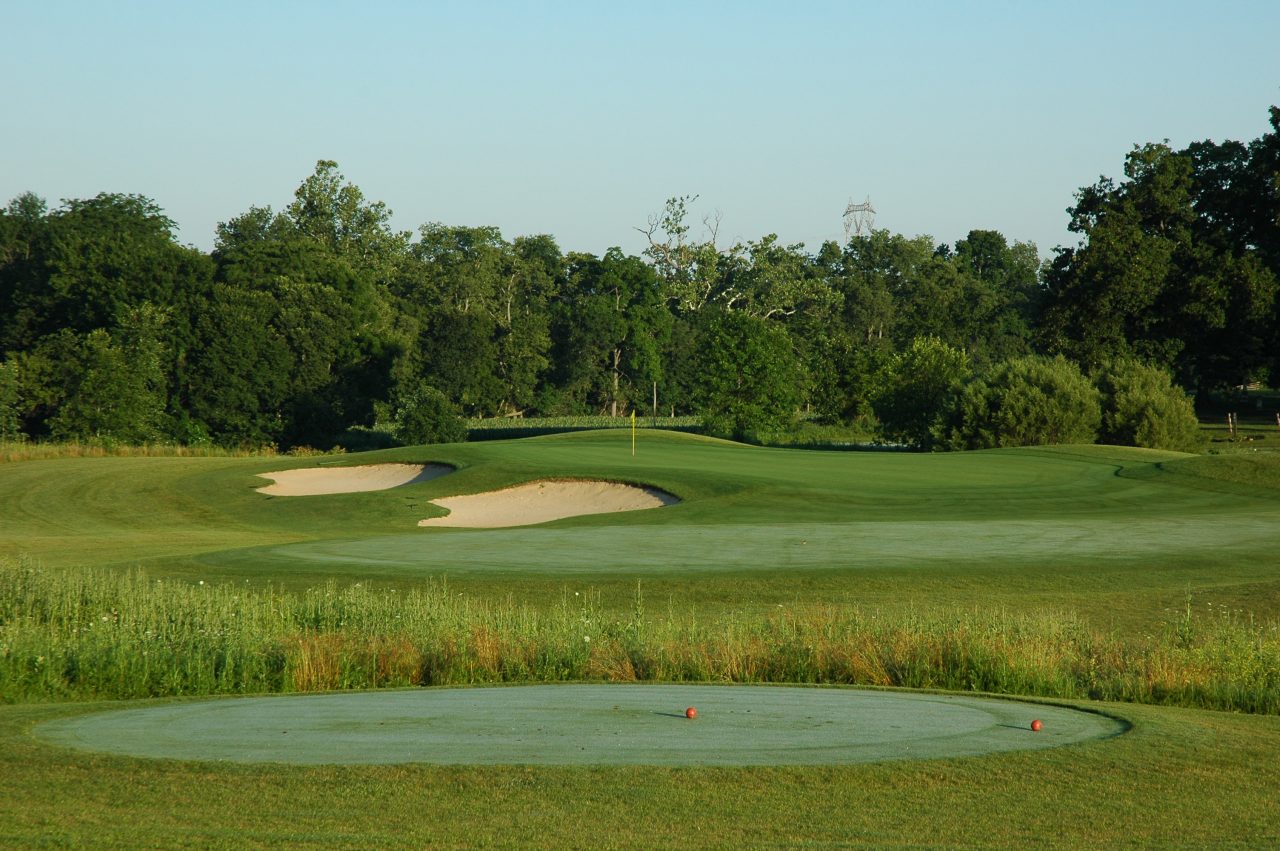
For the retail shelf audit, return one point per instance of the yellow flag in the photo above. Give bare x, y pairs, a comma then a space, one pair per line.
633, 432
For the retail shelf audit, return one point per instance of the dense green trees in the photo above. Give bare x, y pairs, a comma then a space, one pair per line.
610, 326
234, 389
303, 323
335, 215
317, 358
85, 265
10, 402
477, 315
1026, 401
97, 300
1175, 267
746, 376
915, 390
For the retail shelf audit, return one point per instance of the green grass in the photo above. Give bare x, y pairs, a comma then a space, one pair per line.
99, 634
1088, 556
1180, 778
1117, 537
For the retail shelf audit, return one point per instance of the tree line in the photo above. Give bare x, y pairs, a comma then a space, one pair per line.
305, 322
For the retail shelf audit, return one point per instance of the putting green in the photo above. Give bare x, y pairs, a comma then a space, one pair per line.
582, 724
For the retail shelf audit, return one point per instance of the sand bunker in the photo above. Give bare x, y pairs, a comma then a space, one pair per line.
313, 481
539, 502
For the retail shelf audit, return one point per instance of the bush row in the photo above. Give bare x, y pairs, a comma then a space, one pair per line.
927, 397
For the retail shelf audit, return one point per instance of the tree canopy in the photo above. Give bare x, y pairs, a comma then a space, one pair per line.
303, 323
1177, 265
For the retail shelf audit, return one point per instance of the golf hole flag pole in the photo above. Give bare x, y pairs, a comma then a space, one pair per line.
633, 432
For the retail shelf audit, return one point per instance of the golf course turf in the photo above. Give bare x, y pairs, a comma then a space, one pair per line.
1119, 536
1122, 539
582, 725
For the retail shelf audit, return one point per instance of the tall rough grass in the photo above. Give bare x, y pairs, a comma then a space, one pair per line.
22, 450
11, 451
98, 634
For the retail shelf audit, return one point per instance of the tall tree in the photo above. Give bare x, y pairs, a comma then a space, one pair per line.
336, 214
771, 280
463, 267
611, 327
237, 388
1149, 281
1002, 284
532, 279
504, 289
749, 379
22, 226
326, 314
89, 263
688, 268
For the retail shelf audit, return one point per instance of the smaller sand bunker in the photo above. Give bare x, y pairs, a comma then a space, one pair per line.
540, 502
314, 481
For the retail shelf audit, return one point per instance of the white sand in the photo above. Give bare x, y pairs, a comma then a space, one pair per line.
539, 502
312, 481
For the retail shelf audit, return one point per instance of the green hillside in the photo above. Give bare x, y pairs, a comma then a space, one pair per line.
1118, 535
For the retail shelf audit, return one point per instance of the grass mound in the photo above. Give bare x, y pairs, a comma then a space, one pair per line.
1254, 474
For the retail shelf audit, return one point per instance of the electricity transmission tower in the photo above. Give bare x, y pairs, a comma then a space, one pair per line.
858, 219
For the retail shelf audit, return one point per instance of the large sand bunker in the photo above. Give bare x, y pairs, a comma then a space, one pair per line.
539, 502
313, 481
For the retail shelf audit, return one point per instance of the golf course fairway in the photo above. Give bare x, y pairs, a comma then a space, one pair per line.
1118, 535
1143, 585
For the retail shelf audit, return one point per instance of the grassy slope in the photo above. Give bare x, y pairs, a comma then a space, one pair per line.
1118, 535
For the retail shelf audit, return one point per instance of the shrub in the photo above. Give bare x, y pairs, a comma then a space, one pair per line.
916, 389
1142, 407
1027, 401
425, 415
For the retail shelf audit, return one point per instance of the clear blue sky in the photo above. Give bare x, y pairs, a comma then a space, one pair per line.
579, 119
